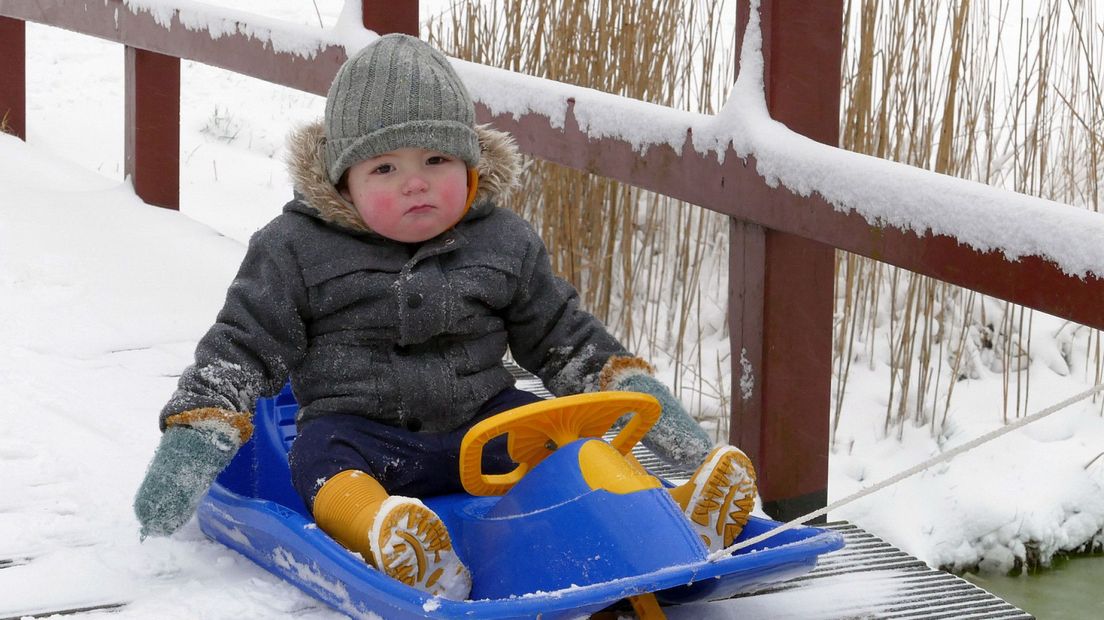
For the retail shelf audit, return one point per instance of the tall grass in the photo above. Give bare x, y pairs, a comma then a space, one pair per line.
965, 87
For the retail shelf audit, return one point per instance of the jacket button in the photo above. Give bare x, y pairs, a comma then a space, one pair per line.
413, 425
414, 300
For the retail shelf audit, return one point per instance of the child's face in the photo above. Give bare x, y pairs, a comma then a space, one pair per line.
408, 194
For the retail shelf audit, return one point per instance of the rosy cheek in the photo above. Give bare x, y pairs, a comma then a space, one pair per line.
381, 201
454, 191
373, 205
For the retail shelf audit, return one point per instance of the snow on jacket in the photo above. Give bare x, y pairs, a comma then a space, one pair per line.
409, 335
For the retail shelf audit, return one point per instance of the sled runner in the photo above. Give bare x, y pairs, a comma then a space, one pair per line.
568, 533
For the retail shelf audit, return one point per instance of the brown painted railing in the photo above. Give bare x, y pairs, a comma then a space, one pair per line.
782, 244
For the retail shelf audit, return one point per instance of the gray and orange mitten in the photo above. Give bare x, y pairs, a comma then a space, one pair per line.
676, 438
194, 448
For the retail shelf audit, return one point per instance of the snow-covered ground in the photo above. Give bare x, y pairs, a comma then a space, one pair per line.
104, 297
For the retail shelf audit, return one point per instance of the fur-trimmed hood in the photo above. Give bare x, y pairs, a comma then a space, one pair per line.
499, 169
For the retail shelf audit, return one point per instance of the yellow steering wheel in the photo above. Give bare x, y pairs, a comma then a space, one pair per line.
534, 431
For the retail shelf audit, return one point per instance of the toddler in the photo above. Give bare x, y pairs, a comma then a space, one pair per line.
389, 291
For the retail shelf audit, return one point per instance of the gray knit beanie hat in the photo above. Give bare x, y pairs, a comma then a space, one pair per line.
397, 92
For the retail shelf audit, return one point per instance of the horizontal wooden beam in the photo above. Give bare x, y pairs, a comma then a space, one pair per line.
734, 188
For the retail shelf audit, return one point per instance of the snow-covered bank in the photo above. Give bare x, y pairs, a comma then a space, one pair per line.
1025, 496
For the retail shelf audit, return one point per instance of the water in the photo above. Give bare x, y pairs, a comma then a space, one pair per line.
1072, 589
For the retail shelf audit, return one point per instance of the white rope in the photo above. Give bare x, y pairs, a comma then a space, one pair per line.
946, 456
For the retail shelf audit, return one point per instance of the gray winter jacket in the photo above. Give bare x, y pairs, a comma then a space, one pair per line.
406, 335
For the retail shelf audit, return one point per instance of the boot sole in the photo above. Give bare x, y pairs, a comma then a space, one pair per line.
411, 544
722, 499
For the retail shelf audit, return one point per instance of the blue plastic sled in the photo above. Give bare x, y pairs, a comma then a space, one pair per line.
551, 547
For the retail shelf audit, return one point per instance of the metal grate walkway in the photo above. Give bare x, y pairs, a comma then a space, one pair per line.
919, 592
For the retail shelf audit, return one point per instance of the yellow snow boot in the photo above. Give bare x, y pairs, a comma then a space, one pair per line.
719, 496
398, 535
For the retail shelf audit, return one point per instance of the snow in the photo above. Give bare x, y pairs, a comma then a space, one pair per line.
283, 36
747, 376
104, 299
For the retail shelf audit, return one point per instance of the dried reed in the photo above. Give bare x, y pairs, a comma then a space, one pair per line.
966, 88
935, 85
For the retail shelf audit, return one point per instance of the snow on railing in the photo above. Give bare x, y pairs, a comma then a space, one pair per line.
282, 36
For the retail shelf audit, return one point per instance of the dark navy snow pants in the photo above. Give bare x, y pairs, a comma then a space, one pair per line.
407, 463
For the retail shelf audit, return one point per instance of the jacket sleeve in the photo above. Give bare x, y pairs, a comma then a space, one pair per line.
258, 337
550, 335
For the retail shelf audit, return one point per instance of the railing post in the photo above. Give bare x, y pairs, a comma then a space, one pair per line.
152, 133
781, 285
13, 76
387, 16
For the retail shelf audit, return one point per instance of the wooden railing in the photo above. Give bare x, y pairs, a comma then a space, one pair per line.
782, 244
